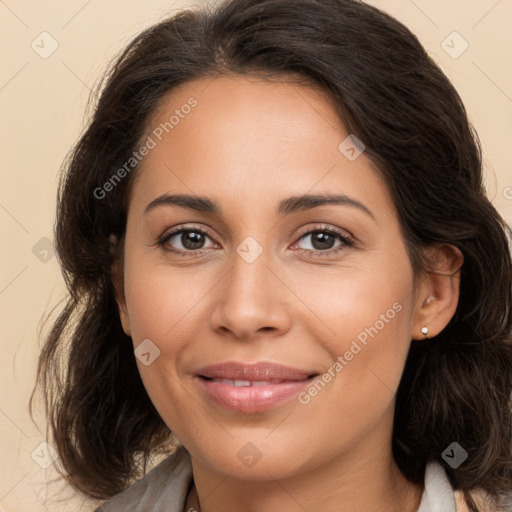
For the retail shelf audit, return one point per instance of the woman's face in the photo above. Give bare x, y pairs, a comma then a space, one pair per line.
271, 269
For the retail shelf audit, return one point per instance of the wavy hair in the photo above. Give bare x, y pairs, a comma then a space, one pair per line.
393, 97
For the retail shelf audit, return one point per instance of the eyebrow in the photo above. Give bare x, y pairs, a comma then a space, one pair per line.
286, 206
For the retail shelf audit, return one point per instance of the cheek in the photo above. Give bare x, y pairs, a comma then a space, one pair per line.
367, 315
359, 301
160, 298
357, 390
161, 303
371, 353
166, 306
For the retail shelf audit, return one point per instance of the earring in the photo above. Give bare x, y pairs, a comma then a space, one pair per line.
424, 331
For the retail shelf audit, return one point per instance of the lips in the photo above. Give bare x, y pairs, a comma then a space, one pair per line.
252, 388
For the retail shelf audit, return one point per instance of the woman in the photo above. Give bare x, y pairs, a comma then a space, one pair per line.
284, 275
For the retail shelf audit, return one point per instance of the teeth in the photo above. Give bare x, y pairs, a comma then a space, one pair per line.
240, 383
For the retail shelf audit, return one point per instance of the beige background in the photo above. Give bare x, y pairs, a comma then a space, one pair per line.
43, 104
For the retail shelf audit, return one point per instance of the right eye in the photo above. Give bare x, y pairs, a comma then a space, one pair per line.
184, 240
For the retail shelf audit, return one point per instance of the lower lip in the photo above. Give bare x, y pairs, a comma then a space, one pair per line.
249, 399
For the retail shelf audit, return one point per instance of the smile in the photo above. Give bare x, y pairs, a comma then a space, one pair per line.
251, 388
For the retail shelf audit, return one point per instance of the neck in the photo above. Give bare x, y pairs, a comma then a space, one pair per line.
368, 481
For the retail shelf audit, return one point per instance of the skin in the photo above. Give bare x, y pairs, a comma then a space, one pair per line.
248, 144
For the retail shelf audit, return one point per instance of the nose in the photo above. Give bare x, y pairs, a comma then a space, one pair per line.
251, 300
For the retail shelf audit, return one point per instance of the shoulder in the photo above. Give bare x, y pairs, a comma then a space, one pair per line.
438, 494
164, 488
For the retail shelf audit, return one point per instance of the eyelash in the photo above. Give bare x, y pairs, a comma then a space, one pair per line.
346, 241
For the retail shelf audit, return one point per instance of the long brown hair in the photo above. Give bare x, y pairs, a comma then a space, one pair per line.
395, 99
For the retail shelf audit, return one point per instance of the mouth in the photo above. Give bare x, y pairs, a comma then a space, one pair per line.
256, 383
252, 388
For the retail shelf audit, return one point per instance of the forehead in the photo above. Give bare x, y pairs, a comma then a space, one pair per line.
250, 139
232, 113
281, 94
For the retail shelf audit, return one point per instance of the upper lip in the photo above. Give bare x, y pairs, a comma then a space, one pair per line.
253, 372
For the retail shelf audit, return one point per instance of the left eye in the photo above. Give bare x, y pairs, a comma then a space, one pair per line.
324, 240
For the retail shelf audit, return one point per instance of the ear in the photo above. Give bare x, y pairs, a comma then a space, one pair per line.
438, 293
117, 277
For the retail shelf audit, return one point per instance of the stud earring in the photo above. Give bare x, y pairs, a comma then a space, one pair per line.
424, 331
